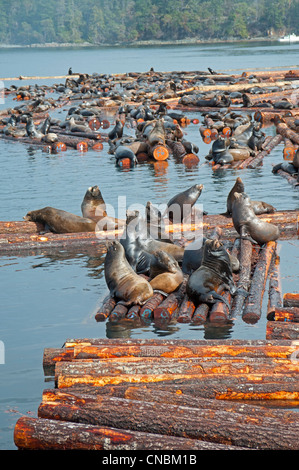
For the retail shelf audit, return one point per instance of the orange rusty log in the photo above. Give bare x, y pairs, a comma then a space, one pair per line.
48, 434
106, 308
179, 398
283, 331
168, 308
289, 150
286, 314
200, 314
274, 296
186, 310
290, 299
219, 311
253, 308
160, 418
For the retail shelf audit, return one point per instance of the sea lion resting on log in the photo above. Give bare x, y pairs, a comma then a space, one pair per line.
259, 207
248, 225
165, 273
212, 277
123, 283
94, 207
59, 221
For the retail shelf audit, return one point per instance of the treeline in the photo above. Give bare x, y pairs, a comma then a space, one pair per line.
24, 22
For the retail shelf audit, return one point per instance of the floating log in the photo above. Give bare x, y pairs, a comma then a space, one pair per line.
106, 309
290, 299
169, 307
285, 131
186, 310
200, 314
182, 421
244, 277
146, 311
282, 330
274, 296
133, 312
285, 314
47, 434
256, 161
253, 308
290, 178
118, 312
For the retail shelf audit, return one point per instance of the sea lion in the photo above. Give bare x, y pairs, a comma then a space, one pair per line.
257, 139
248, 225
151, 246
212, 277
157, 134
259, 207
165, 273
179, 207
117, 131
123, 283
93, 205
122, 152
59, 221
219, 152
138, 258
287, 167
155, 223
32, 131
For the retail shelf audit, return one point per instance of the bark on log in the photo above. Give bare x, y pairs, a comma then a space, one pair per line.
285, 314
186, 310
200, 314
290, 178
48, 434
146, 311
106, 309
182, 421
274, 296
253, 308
244, 277
290, 299
282, 330
256, 161
285, 131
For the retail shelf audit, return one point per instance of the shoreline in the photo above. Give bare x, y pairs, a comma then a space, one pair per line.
150, 43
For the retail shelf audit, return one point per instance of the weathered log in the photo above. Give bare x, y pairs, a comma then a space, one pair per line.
182, 421
200, 314
118, 312
220, 311
146, 311
253, 308
256, 161
133, 312
20, 227
244, 277
169, 307
48, 434
290, 299
283, 129
105, 310
274, 296
186, 310
282, 330
290, 178
285, 314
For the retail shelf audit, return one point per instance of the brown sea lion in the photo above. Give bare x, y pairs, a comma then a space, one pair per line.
157, 135
179, 207
212, 277
155, 223
123, 283
59, 221
165, 273
247, 224
93, 205
152, 246
259, 207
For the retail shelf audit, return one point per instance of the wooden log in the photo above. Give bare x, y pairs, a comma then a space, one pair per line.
168, 307
200, 314
283, 129
282, 330
20, 227
285, 314
274, 296
253, 308
118, 312
106, 308
219, 311
111, 371
290, 178
133, 312
175, 398
186, 310
182, 421
289, 150
256, 161
146, 311
244, 277
290, 299
48, 434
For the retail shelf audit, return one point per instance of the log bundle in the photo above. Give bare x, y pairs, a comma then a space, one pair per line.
116, 394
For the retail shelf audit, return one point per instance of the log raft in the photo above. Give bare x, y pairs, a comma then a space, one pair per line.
167, 394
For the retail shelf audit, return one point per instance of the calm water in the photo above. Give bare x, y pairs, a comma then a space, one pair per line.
49, 297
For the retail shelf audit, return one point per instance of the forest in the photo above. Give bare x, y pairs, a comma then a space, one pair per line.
102, 22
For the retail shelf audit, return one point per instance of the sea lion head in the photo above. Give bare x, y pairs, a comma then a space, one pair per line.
165, 260
217, 258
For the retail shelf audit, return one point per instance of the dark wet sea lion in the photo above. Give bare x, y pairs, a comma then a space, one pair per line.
138, 258
179, 207
288, 167
32, 131
155, 223
122, 152
122, 281
256, 140
117, 131
247, 224
93, 205
212, 277
165, 273
59, 221
296, 159
220, 153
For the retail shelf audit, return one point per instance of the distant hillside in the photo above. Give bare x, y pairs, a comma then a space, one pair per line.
24, 22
